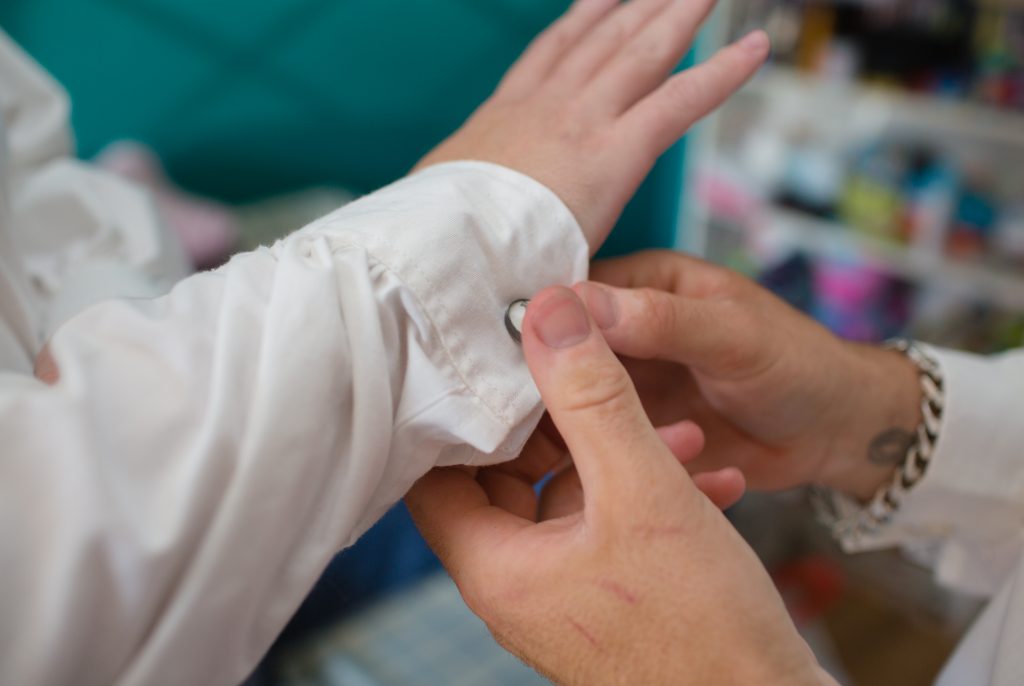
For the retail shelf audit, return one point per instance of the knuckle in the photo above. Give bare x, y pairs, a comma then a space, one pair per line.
728, 308
649, 52
658, 263
613, 32
682, 91
559, 37
591, 389
657, 310
665, 256
722, 280
714, 282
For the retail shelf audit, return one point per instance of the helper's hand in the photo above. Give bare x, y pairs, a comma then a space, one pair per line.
776, 394
591, 104
648, 583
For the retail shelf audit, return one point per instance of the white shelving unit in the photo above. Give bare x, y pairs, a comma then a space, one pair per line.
782, 227
888, 108
844, 114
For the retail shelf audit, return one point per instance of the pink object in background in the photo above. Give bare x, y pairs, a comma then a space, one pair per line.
847, 293
208, 230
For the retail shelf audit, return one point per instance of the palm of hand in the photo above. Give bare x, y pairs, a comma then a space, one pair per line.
765, 424
767, 385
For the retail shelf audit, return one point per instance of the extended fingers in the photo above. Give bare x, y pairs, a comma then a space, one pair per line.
563, 495
553, 44
666, 270
649, 57
724, 488
458, 521
664, 116
684, 439
510, 485
604, 40
649, 324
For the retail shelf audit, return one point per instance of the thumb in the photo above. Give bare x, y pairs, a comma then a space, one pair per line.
592, 401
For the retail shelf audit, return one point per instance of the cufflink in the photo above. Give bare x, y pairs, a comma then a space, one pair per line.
514, 316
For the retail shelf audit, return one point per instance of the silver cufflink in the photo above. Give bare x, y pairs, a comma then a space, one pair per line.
514, 316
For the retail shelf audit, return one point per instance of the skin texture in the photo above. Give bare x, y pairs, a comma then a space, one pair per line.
623, 571
643, 580
777, 395
593, 103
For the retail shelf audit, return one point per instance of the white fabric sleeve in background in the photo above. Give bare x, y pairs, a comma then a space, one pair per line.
167, 505
970, 503
966, 515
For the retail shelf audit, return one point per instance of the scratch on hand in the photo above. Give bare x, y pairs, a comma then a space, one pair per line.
617, 590
586, 634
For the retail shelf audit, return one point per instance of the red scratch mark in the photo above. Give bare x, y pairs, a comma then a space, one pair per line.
586, 634
617, 590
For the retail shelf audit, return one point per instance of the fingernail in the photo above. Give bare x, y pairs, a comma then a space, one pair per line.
756, 42
601, 304
562, 321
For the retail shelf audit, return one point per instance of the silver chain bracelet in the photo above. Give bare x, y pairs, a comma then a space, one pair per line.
848, 519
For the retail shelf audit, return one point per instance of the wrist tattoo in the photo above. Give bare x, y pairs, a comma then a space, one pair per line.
890, 447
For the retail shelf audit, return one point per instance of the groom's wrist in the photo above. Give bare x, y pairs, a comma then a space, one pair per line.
883, 409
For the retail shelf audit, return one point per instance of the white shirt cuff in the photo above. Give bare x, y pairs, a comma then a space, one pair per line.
508, 237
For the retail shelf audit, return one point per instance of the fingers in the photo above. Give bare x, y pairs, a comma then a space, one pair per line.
646, 61
592, 401
541, 454
456, 518
666, 270
650, 324
509, 492
548, 49
724, 488
510, 485
604, 40
684, 439
665, 115
561, 497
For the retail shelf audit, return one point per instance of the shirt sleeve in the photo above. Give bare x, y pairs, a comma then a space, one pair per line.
168, 503
966, 515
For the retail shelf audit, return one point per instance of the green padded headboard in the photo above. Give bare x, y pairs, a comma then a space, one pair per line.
247, 98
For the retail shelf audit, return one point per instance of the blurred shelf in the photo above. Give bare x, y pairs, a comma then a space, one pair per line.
788, 228
918, 112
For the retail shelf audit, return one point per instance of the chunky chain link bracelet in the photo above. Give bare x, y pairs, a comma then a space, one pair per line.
851, 521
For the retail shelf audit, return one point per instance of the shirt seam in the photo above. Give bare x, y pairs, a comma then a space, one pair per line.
339, 244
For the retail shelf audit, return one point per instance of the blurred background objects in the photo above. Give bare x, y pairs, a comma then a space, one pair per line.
870, 175
872, 169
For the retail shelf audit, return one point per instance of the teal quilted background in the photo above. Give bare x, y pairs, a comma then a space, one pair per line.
245, 99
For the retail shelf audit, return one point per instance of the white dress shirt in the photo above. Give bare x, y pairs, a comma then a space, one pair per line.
167, 505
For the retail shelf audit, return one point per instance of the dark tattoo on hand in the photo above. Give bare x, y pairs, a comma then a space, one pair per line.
890, 447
